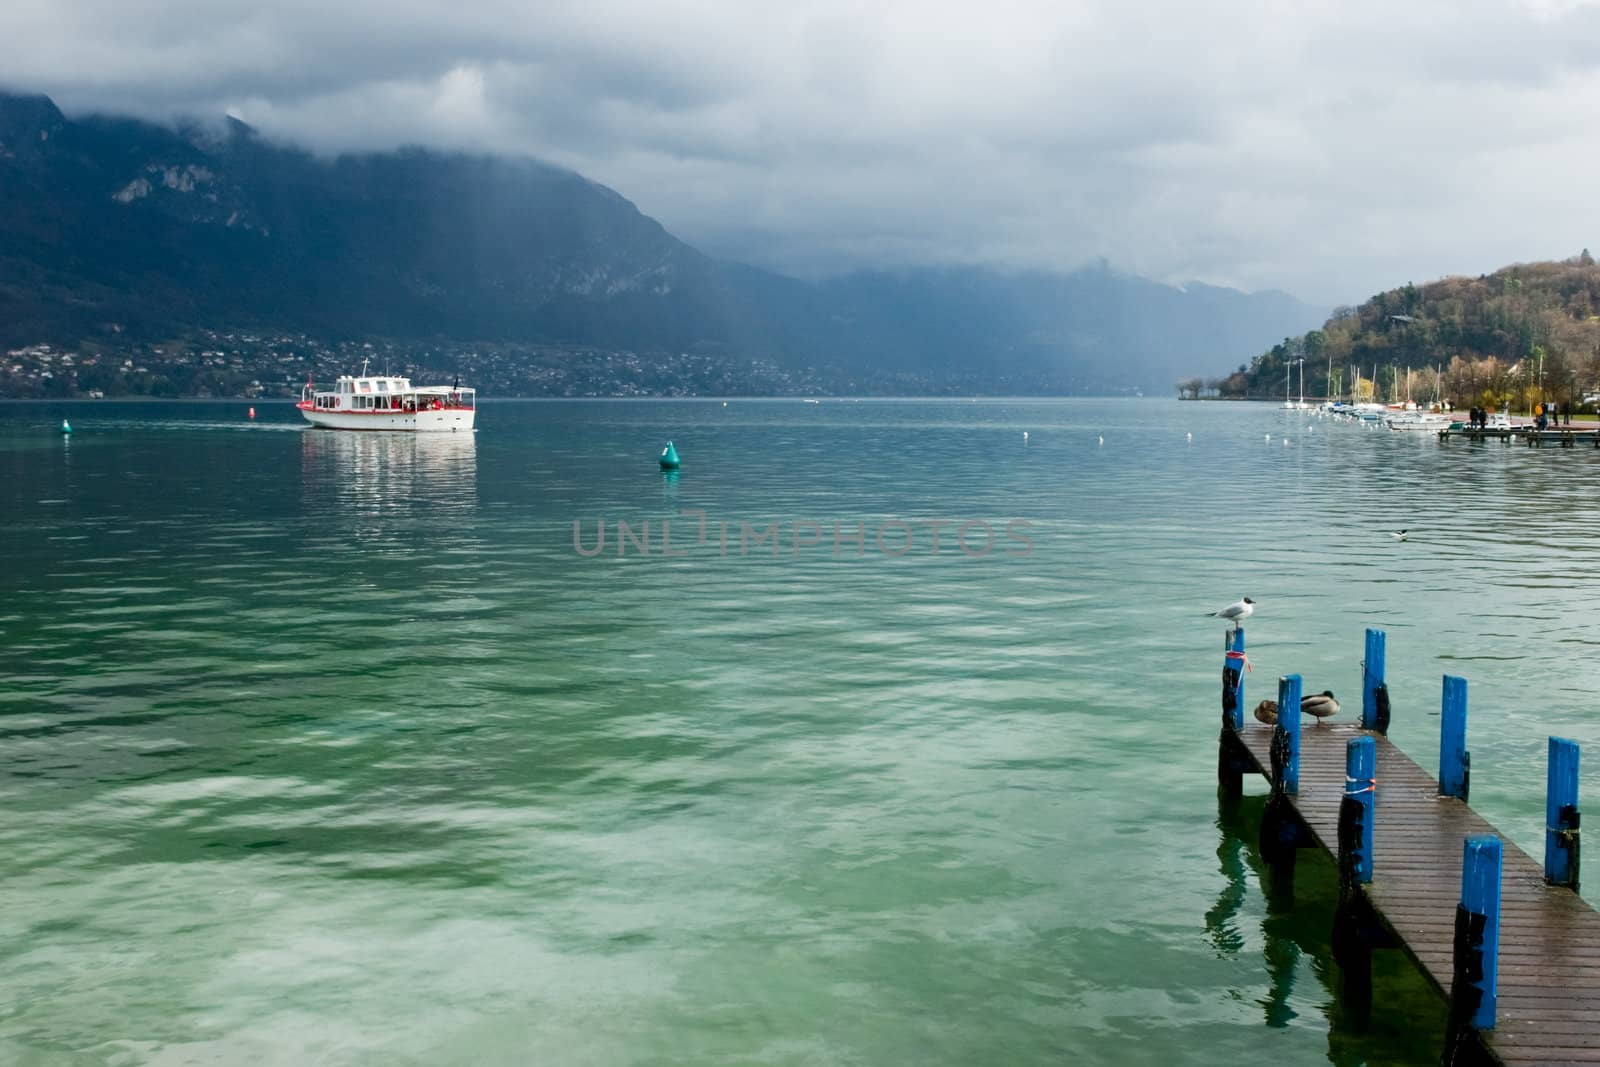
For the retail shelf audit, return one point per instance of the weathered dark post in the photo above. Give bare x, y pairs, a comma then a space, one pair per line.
1231, 759
1455, 763
1233, 668
1356, 810
1353, 928
1281, 832
1561, 815
1286, 738
1374, 691
1473, 987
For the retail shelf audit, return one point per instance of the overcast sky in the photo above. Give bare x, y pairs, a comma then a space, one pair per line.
1328, 148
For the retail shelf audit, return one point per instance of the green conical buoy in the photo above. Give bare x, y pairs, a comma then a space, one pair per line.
669, 458
66, 427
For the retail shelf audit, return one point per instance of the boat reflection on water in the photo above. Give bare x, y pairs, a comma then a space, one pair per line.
371, 475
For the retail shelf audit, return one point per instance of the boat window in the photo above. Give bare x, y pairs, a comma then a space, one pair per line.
366, 386
383, 386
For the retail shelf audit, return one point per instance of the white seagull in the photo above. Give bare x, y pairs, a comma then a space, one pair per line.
1398, 535
1236, 612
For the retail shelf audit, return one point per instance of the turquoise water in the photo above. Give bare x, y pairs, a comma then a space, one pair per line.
330, 748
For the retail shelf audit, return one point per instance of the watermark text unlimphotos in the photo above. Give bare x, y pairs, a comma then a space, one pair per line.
690, 532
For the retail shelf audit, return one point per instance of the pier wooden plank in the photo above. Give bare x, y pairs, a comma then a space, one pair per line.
1549, 973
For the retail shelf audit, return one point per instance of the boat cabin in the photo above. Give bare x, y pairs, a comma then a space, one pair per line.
372, 395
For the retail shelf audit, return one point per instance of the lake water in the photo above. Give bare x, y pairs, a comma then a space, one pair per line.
331, 748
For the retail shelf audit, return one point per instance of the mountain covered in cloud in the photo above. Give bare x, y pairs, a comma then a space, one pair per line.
114, 225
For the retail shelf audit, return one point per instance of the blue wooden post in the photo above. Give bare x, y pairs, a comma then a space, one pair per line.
1286, 737
1455, 763
1233, 668
1374, 692
1473, 987
1355, 930
1233, 761
1561, 815
1281, 829
1355, 812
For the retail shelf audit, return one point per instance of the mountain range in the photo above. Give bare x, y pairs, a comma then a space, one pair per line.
116, 227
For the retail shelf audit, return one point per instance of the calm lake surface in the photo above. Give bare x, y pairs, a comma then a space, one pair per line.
330, 748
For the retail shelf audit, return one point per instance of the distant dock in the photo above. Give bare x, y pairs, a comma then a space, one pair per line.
1559, 437
1510, 944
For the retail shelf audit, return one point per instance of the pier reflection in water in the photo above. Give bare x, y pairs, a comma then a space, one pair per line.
1288, 921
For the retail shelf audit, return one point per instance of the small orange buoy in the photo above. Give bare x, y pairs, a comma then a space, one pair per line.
252, 413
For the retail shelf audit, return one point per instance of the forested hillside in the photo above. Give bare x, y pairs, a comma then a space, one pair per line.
1523, 333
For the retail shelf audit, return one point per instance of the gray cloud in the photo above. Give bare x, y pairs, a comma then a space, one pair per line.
1332, 149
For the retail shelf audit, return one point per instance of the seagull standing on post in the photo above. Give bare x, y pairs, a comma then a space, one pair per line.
1236, 612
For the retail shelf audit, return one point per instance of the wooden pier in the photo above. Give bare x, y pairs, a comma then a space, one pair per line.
1557, 436
1508, 941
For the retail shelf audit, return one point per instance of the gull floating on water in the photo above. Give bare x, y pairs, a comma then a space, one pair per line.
1102, 440
1188, 437
1398, 535
1236, 612
1024, 435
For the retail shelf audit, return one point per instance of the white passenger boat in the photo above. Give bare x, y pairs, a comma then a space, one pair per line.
383, 402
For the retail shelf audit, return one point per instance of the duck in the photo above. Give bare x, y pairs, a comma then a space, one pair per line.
1319, 705
1267, 712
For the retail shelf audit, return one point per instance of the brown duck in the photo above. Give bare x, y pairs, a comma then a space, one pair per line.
1318, 705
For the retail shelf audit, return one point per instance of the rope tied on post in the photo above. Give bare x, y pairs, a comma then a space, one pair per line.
1239, 657
1567, 826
